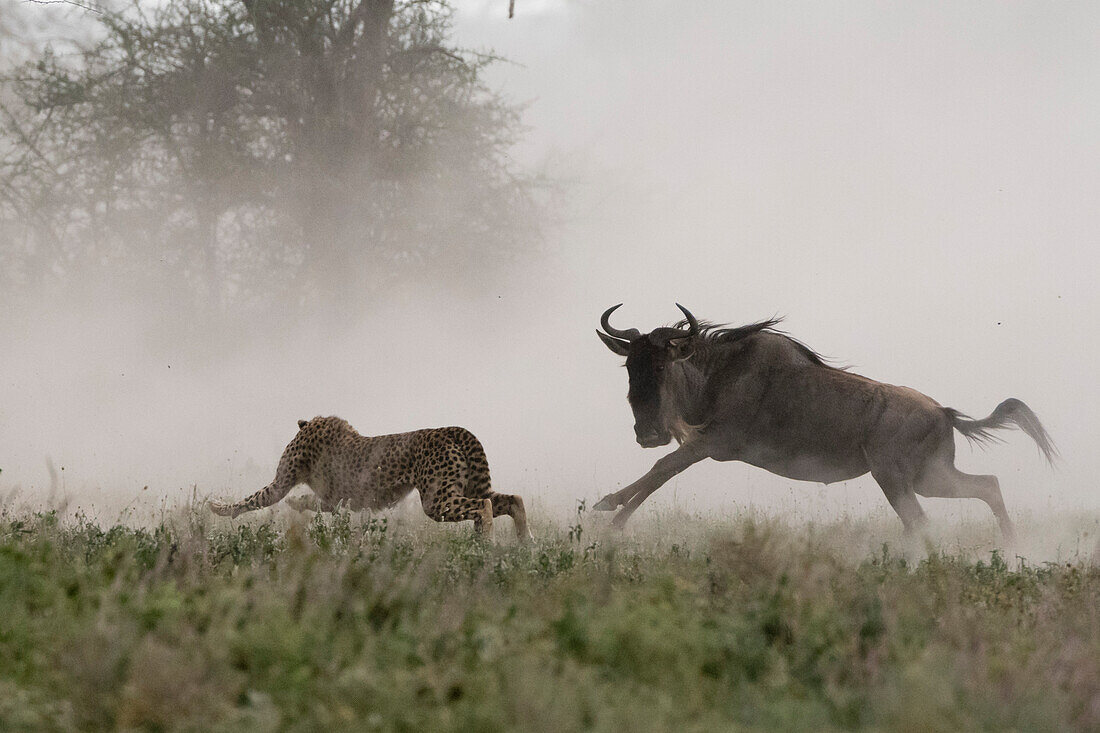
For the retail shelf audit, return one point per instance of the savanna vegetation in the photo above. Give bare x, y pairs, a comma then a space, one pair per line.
283, 622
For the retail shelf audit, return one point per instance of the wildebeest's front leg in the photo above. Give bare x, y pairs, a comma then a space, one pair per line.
633, 495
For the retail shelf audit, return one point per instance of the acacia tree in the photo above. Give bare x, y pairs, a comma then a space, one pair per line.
240, 149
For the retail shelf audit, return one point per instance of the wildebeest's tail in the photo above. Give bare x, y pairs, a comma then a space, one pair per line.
1010, 412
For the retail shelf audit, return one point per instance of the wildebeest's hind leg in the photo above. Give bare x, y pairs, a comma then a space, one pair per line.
444, 502
900, 495
942, 480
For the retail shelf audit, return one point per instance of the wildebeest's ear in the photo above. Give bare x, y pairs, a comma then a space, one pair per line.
680, 349
619, 347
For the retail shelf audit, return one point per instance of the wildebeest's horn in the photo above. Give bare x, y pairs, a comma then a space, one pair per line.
628, 335
662, 336
693, 325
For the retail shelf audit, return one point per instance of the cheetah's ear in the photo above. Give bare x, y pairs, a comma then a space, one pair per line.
302, 424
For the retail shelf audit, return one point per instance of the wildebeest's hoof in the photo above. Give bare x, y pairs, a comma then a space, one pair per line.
607, 504
619, 522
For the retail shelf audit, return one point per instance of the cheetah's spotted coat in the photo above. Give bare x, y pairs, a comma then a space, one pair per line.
447, 466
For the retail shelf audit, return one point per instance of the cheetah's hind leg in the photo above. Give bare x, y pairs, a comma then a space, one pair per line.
512, 505
444, 503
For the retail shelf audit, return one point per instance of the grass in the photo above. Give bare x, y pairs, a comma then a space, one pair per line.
375, 623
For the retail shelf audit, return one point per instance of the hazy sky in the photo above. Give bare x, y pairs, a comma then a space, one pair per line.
914, 186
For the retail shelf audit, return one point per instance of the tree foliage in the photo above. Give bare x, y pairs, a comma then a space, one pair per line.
240, 151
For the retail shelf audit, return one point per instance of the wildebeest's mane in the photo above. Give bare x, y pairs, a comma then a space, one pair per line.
717, 334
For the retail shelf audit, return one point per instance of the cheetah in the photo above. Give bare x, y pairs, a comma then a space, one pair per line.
446, 465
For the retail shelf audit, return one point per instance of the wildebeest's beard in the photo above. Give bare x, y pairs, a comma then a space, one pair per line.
646, 367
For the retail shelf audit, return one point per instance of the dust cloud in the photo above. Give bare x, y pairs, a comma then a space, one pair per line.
914, 188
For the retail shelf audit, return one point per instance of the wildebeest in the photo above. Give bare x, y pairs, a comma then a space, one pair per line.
756, 395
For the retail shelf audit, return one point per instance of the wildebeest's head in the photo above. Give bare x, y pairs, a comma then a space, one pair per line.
648, 357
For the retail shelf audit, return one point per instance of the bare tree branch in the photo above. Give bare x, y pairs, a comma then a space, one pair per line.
427, 50
74, 3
